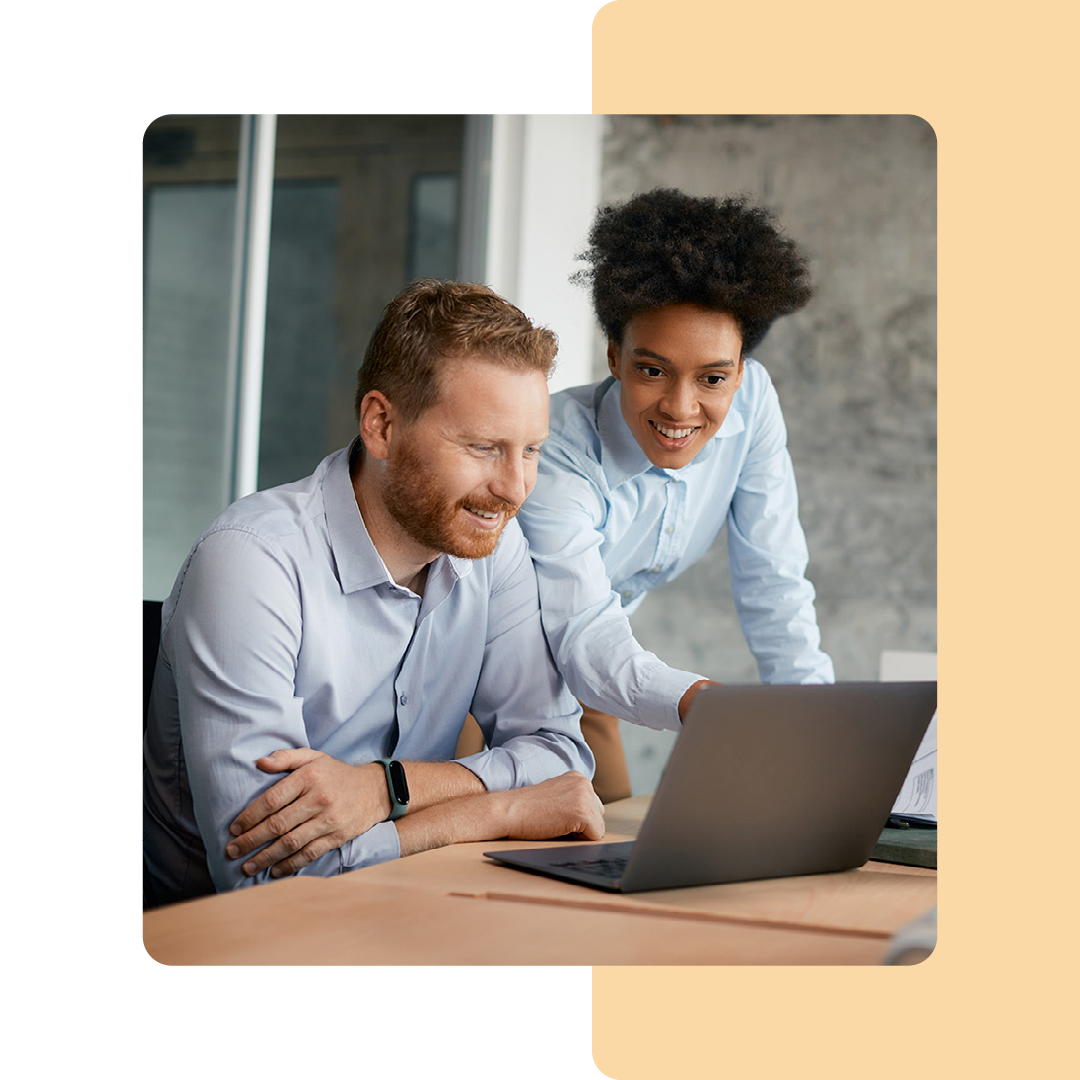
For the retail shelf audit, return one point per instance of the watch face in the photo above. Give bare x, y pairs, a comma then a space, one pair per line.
398, 784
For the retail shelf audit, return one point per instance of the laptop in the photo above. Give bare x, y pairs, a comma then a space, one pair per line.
763, 781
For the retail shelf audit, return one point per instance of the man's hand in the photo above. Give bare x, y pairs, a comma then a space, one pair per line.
322, 804
562, 806
684, 701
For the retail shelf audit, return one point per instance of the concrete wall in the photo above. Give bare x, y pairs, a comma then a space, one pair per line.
855, 371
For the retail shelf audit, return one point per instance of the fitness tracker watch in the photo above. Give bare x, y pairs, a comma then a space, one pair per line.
397, 786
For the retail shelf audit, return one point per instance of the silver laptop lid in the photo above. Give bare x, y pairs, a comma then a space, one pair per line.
770, 781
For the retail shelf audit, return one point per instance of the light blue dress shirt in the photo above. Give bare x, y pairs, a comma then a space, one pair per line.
605, 526
285, 629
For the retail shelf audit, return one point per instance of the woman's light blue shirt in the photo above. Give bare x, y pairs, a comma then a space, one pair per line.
605, 526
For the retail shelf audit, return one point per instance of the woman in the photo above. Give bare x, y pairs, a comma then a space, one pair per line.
642, 470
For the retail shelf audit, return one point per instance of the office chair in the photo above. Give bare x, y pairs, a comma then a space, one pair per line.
151, 621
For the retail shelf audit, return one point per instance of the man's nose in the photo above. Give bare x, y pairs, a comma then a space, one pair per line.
513, 481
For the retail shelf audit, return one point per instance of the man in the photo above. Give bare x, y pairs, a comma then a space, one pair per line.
338, 630
643, 469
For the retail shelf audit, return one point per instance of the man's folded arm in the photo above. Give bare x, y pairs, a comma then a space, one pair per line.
564, 805
323, 804
234, 639
265, 802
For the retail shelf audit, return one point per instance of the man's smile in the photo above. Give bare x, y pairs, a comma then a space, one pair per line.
488, 514
488, 519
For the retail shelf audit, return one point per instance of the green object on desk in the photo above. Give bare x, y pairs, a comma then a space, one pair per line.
910, 847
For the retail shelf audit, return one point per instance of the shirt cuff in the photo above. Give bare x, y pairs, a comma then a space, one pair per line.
657, 706
379, 844
532, 758
494, 768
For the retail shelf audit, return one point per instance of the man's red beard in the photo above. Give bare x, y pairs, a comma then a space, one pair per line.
417, 503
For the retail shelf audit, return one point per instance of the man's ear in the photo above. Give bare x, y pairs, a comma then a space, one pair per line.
377, 421
613, 356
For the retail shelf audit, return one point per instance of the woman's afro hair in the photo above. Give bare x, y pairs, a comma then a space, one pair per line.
665, 247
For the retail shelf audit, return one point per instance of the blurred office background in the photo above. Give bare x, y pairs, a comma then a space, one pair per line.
272, 244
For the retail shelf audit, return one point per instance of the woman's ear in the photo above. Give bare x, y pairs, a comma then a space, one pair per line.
377, 420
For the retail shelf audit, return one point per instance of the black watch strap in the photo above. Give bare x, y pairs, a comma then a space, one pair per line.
397, 786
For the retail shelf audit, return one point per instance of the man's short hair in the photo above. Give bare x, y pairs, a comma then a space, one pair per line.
665, 247
430, 322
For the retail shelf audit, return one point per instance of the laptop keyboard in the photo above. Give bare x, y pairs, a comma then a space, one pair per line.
609, 868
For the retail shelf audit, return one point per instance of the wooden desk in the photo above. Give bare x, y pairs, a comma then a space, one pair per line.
452, 906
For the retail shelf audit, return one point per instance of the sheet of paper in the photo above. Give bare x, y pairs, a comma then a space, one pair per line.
918, 796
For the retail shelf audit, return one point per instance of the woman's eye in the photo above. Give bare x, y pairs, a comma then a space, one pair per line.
651, 372
714, 380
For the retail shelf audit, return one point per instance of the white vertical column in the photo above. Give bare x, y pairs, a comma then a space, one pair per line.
247, 334
503, 251
545, 186
475, 199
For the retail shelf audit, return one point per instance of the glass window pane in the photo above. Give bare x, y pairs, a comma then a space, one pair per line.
362, 204
433, 227
189, 231
298, 364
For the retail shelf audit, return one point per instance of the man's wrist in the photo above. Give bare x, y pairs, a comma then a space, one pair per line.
375, 778
433, 782
688, 698
466, 819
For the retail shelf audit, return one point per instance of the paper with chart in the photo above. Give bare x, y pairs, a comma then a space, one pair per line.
918, 796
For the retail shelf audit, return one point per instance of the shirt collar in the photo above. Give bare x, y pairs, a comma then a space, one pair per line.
359, 564
623, 459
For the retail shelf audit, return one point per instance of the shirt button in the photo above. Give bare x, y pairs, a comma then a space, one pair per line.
404, 699
657, 569
627, 594
669, 530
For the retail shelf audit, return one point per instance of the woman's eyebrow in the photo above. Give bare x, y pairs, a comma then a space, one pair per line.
657, 356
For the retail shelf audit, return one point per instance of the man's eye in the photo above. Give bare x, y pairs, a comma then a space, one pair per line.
652, 372
714, 380
532, 451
